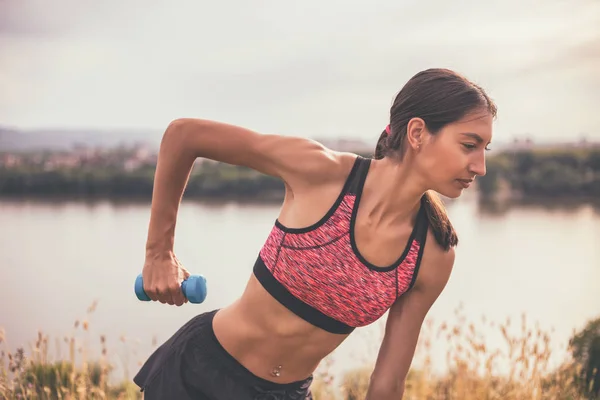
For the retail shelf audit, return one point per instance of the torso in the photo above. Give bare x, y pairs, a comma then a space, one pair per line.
263, 334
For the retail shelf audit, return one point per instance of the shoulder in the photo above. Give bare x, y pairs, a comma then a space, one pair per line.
298, 161
434, 273
435, 268
330, 165
325, 170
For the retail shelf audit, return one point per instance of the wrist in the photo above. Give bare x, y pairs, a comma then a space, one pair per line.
159, 250
161, 233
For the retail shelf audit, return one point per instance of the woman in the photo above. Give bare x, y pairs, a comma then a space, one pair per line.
355, 237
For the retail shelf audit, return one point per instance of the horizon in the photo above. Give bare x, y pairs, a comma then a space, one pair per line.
119, 132
133, 65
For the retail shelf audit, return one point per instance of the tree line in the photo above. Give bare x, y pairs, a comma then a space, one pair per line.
209, 180
544, 173
532, 173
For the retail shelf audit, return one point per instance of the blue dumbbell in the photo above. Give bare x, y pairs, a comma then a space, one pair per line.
193, 288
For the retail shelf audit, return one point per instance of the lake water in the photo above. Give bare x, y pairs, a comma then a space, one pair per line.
57, 258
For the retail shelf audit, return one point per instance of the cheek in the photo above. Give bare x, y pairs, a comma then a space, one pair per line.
444, 165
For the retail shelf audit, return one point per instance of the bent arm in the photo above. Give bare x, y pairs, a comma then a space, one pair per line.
404, 324
296, 161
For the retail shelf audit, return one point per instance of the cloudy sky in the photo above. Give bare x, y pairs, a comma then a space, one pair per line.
308, 68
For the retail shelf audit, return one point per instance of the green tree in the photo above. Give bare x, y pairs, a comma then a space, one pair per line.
585, 348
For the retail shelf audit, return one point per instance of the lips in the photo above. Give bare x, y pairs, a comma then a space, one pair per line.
465, 182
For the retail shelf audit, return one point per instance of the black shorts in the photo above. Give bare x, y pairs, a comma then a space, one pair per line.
192, 364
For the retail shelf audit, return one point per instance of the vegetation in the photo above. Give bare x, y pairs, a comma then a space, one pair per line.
536, 173
519, 369
207, 181
548, 173
71, 376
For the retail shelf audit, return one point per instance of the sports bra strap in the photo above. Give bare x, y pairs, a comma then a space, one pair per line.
354, 186
422, 222
358, 175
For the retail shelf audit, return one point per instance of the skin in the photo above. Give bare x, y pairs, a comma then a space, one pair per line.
256, 329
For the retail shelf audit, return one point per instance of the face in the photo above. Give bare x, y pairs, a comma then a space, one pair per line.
451, 159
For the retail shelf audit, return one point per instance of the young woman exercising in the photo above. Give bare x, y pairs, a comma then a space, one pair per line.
355, 237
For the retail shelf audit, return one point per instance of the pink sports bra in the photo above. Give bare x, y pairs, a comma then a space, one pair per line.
318, 273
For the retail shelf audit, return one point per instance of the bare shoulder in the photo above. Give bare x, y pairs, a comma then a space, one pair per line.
435, 269
433, 275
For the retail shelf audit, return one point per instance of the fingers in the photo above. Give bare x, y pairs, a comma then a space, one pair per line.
162, 281
172, 294
159, 293
151, 292
156, 294
186, 275
177, 297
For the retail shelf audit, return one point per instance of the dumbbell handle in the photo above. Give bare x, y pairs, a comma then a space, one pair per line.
193, 288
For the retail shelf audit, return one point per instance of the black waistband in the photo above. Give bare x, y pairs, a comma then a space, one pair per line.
229, 362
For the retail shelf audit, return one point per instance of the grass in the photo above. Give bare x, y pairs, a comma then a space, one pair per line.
72, 375
519, 368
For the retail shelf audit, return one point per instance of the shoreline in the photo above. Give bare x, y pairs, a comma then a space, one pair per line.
275, 198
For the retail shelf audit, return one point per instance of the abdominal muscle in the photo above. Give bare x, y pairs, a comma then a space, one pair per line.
269, 340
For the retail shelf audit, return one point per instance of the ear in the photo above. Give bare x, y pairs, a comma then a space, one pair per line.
415, 133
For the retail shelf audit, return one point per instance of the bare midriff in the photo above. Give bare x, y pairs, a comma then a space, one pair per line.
269, 340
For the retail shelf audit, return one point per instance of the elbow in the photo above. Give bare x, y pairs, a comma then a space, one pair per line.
188, 134
181, 123
187, 124
177, 128
176, 137
174, 131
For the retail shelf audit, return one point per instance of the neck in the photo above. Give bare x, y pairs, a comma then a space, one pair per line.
395, 191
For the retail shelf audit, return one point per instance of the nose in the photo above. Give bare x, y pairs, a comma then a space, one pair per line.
478, 165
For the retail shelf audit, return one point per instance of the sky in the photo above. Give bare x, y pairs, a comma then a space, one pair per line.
310, 68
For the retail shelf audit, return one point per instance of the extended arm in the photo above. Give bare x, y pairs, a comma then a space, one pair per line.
298, 162
404, 324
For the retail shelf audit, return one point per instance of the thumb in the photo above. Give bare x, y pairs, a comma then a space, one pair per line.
186, 275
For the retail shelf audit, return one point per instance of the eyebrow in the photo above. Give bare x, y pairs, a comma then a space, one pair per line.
475, 136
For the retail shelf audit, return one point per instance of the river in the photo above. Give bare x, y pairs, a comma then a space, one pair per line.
57, 258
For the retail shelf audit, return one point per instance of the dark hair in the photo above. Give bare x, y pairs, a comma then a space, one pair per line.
439, 97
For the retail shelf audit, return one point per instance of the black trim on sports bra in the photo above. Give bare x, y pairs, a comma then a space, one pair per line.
353, 185
345, 189
358, 190
421, 236
298, 307
358, 180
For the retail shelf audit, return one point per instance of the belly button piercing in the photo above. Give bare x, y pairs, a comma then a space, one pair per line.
276, 371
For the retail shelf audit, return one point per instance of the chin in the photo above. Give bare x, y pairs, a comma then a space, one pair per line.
454, 195
451, 192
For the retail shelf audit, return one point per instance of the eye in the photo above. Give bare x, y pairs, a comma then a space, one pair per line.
471, 146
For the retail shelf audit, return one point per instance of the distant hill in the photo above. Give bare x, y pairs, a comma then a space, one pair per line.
18, 140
